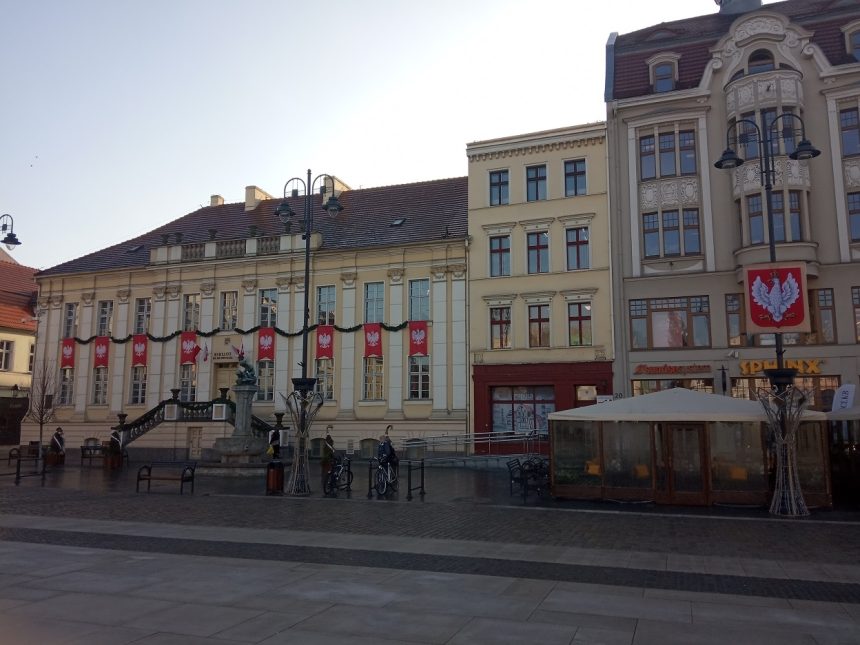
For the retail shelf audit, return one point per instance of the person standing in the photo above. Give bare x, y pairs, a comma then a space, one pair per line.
58, 442
327, 460
275, 442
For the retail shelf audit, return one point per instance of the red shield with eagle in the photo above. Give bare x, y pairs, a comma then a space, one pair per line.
776, 298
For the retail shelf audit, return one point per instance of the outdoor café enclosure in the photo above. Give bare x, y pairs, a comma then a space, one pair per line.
678, 446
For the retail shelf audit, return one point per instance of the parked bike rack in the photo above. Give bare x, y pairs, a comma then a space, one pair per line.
409, 487
36, 471
410, 465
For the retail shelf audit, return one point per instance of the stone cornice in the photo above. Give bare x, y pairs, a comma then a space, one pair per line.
503, 151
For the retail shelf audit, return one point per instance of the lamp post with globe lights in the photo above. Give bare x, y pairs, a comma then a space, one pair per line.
7, 227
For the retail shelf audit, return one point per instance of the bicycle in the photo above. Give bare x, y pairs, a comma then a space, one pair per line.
339, 476
386, 477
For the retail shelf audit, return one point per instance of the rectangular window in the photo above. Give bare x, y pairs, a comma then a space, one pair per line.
692, 241
539, 325
229, 310
70, 320
191, 312
500, 255
667, 155
651, 234
671, 233
664, 77
823, 316
687, 145
100, 385
500, 327
768, 116
735, 321
268, 311
535, 183
756, 219
67, 383
849, 124
5, 355
326, 305
419, 299
522, 408
670, 322
137, 395
419, 377
855, 301
778, 210
794, 215
647, 162
538, 252
373, 378
579, 323
32, 362
104, 323
374, 302
266, 380
747, 137
142, 308
325, 378
854, 216
577, 248
574, 177
188, 382
854, 48
498, 187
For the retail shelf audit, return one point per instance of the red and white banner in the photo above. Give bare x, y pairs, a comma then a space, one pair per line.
138, 350
372, 339
188, 347
266, 344
101, 350
325, 341
776, 298
418, 338
67, 353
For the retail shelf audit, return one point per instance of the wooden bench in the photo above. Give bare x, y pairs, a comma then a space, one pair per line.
30, 450
181, 471
92, 451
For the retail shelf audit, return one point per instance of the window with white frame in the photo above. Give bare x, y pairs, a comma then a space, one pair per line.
579, 323
537, 249
325, 378
70, 320
500, 327
374, 302
326, 305
419, 299
104, 322
374, 372
500, 255
574, 177
577, 248
191, 312
419, 377
229, 310
6, 355
498, 187
100, 385
142, 309
67, 386
265, 380
137, 395
538, 325
188, 382
849, 125
268, 309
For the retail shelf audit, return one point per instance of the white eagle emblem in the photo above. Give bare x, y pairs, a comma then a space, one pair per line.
418, 336
139, 349
325, 341
67, 351
373, 338
777, 299
101, 350
266, 341
188, 346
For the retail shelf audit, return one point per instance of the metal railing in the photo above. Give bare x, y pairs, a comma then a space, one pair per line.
474, 446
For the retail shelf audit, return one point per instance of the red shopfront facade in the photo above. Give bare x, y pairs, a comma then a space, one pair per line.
515, 400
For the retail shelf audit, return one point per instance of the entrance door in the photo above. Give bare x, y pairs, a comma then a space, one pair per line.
225, 376
680, 463
193, 442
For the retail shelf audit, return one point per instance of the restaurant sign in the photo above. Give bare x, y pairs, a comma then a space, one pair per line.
672, 369
802, 365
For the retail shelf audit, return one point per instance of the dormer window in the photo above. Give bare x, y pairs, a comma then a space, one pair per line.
854, 44
761, 60
664, 72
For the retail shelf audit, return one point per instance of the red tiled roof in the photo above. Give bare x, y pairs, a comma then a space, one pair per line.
693, 38
432, 210
17, 295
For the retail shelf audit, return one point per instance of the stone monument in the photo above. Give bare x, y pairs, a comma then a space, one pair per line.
242, 447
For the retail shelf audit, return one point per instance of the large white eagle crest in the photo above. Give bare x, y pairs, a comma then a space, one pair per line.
777, 298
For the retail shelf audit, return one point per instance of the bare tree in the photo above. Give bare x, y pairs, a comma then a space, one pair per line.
42, 389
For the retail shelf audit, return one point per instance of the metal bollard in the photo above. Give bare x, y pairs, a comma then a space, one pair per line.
370, 479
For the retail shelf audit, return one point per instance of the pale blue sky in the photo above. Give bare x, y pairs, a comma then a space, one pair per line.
117, 117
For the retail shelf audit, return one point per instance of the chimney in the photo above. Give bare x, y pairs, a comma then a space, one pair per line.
738, 6
253, 196
216, 200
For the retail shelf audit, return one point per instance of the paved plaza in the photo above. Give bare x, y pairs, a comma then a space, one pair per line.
84, 559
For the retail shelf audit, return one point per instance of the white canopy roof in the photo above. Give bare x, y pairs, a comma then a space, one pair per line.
676, 404
845, 415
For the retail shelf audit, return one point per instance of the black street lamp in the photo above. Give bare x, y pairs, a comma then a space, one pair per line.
7, 223
304, 402
781, 377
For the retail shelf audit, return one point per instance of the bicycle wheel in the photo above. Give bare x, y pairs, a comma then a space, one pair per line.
393, 480
349, 476
330, 485
381, 482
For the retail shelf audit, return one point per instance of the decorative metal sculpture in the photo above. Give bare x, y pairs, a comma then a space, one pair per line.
245, 374
784, 407
303, 403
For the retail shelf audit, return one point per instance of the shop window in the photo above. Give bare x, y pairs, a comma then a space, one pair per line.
522, 409
661, 323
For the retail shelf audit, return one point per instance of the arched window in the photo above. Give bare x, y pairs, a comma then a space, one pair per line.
760, 60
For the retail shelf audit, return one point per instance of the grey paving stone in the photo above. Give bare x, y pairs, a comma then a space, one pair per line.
20, 629
454, 601
617, 605
297, 636
192, 619
261, 627
101, 609
652, 632
599, 636
719, 598
773, 616
575, 619
482, 631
